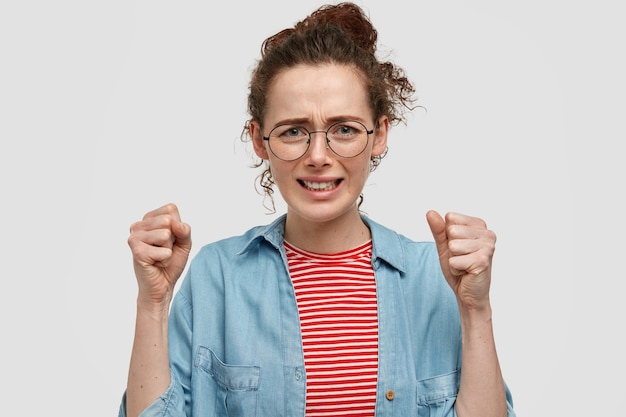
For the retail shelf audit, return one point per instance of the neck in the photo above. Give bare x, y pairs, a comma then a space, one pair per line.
333, 236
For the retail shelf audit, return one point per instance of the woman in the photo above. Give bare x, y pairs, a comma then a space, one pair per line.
324, 311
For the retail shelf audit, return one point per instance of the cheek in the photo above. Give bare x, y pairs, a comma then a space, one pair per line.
280, 172
367, 170
361, 168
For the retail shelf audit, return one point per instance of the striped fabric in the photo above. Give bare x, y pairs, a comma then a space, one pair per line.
336, 297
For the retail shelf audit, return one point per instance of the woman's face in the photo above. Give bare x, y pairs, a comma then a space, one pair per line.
320, 186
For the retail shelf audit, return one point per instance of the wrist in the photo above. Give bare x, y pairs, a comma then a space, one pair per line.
157, 309
475, 314
476, 325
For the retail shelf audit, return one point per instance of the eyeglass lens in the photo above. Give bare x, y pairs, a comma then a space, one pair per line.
346, 139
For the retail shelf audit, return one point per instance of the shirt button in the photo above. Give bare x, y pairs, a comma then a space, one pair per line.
390, 395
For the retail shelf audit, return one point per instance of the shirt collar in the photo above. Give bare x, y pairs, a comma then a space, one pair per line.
272, 233
386, 244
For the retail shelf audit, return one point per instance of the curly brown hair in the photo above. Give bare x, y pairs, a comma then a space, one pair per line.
340, 34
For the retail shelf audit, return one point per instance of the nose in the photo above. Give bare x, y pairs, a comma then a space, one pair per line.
318, 151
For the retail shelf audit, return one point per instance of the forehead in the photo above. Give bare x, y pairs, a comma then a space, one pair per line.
317, 92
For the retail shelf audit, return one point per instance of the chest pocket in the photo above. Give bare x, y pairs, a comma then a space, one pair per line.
237, 385
436, 396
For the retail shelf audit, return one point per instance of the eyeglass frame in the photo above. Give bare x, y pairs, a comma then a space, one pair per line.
368, 132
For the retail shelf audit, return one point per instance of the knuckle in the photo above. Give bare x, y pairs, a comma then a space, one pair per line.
137, 251
132, 240
452, 230
454, 246
484, 260
166, 222
166, 235
133, 227
171, 208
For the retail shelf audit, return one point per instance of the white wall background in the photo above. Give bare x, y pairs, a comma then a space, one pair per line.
109, 109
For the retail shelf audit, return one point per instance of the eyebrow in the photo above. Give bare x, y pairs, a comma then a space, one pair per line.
329, 121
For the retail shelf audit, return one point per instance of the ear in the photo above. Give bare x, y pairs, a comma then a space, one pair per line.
257, 140
380, 136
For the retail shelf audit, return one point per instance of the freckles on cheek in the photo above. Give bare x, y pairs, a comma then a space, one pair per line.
367, 170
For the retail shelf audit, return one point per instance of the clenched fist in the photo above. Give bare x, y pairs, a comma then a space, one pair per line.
465, 248
160, 244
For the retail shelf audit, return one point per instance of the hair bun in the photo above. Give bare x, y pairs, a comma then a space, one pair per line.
347, 16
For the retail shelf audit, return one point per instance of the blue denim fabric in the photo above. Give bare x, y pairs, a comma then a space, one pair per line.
235, 343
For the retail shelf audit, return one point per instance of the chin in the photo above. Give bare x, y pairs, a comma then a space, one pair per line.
322, 213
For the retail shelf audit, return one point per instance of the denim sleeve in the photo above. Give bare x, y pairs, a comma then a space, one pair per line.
169, 404
509, 402
437, 396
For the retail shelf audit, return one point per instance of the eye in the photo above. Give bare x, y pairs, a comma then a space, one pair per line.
293, 131
290, 132
346, 130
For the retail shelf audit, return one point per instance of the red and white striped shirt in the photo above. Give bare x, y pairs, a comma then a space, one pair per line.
336, 297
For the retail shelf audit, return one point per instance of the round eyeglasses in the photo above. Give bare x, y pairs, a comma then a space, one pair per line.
346, 139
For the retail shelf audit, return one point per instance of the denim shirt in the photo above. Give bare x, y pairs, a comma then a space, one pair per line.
234, 332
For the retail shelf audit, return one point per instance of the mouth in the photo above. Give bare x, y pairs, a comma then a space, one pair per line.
319, 186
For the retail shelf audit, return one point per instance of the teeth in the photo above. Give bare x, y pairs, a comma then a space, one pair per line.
320, 186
